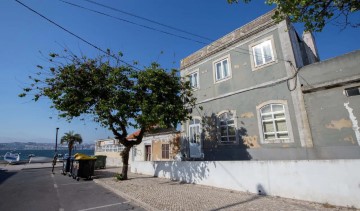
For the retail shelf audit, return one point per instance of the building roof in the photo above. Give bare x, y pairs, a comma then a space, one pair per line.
155, 131
133, 135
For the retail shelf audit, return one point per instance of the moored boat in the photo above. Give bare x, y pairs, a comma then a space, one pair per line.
12, 157
40, 160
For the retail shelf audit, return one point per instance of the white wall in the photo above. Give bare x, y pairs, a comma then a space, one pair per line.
113, 159
335, 182
113, 162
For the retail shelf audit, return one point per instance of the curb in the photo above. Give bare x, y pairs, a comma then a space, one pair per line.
126, 196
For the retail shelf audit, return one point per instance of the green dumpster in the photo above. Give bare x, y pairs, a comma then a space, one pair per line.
100, 162
83, 166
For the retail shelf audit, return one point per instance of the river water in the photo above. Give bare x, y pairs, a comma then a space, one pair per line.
24, 154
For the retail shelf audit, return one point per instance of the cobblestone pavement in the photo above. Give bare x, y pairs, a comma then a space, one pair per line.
163, 194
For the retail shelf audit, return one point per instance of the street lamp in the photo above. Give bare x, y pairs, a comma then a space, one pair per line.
55, 154
57, 129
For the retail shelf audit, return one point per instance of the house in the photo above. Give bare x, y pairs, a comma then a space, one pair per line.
111, 148
264, 96
159, 145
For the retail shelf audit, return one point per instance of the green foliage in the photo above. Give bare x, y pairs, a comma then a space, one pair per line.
71, 138
315, 14
119, 177
115, 95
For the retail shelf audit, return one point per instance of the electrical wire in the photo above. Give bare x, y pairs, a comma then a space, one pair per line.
155, 29
246, 51
292, 77
77, 36
98, 48
131, 22
149, 20
189, 33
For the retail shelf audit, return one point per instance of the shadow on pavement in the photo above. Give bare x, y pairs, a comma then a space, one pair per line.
5, 174
104, 174
111, 173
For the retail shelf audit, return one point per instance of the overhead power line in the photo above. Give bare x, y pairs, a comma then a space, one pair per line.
149, 20
236, 49
131, 22
77, 36
154, 29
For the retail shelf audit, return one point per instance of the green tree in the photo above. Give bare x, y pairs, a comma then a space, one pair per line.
116, 96
71, 138
315, 14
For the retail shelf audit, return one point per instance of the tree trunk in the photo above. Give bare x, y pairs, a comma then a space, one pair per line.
125, 159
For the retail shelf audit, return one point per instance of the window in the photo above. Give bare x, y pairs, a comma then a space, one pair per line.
165, 149
274, 123
194, 131
222, 69
227, 128
263, 53
147, 152
194, 79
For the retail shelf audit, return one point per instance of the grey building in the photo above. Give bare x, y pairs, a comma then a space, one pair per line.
265, 97
331, 92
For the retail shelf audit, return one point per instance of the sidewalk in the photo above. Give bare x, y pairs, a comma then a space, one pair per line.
162, 194
25, 165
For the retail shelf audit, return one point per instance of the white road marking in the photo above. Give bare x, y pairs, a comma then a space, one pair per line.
55, 186
110, 205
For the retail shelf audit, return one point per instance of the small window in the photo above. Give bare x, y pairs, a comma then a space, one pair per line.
147, 152
165, 149
194, 80
263, 53
194, 131
274, 123
227, 128
222, 69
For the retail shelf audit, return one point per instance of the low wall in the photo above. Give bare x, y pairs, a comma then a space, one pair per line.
113, 159
335, 182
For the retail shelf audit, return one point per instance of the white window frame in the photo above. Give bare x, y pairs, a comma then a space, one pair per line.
220, 61
195, 125
197, 79
234, 125
262, 43
286, 117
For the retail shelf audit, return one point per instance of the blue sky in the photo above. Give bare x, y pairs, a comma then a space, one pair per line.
24, 34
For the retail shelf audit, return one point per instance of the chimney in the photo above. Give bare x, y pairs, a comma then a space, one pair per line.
310, 47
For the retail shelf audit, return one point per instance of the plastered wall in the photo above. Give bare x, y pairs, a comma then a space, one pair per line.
335, 182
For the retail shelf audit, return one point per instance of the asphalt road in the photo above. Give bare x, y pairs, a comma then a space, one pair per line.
39, 189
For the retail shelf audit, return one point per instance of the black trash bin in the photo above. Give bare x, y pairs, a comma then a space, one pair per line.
83, 167
100, 161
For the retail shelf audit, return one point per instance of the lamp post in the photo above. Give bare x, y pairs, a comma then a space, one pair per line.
57, 129
55, 154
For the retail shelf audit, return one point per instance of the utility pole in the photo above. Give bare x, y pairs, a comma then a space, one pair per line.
57, 129
55, 154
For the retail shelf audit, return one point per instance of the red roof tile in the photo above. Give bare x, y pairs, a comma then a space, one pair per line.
133, 135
